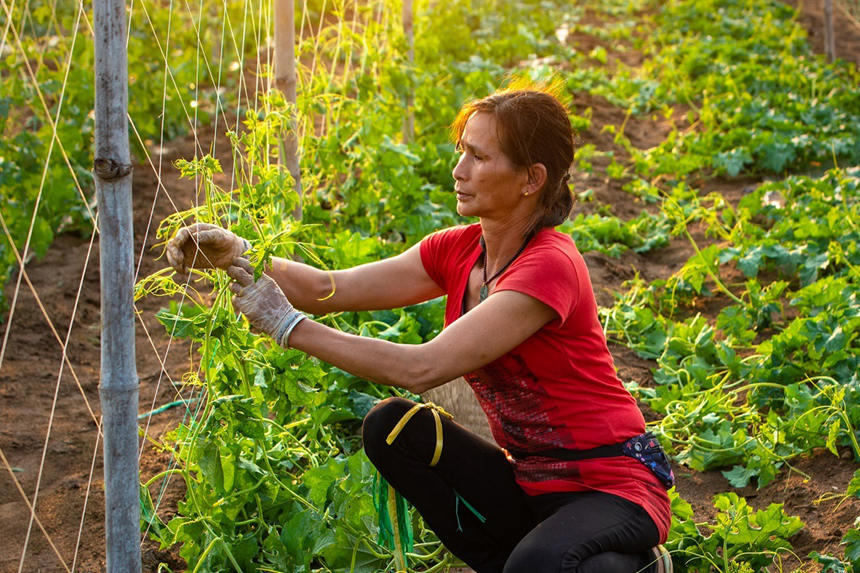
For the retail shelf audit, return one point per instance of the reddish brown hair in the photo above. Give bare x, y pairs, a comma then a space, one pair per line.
533, 127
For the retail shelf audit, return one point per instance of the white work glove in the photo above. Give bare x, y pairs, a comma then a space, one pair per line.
263, 302
204, 246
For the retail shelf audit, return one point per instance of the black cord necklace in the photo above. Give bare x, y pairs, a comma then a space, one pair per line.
485, 289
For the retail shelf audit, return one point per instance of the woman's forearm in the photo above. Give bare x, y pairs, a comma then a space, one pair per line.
488, 331
390, 283
406, 366
309, 289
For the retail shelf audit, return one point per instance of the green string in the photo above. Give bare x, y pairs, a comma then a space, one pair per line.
386, 527
459, 498
167, 407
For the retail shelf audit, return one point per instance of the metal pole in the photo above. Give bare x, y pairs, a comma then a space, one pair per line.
118, 387
285, 81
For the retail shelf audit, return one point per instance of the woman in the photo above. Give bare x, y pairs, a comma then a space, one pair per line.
521, 327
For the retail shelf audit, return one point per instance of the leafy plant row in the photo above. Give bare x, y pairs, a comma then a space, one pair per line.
762, 103
774, 374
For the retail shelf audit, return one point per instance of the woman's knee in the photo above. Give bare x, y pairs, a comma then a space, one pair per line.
529, 557
379, 422
532, 554
611, 562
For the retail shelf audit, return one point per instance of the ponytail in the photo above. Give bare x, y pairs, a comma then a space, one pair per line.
556, 203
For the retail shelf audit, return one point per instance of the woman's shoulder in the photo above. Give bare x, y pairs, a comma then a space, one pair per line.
455, 236
550, 270
556, 253
551, 243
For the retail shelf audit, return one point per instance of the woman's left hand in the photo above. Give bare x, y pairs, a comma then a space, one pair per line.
262, 302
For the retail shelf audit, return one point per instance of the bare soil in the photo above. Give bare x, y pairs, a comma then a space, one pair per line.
70, 505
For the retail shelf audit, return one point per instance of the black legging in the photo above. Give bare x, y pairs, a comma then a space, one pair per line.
471, 501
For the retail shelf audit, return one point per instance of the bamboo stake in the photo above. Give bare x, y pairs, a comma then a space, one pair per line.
409, 116
829, 34
118, 387
399, 561
285, 81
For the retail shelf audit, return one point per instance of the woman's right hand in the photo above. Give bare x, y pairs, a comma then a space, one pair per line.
204, 246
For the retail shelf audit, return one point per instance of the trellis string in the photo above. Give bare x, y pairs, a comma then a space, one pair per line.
30, 507
87, 496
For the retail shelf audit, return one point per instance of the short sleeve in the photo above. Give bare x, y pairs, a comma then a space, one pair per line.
549, 273
432, 246
444, 252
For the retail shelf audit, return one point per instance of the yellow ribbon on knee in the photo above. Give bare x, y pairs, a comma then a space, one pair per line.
436, 410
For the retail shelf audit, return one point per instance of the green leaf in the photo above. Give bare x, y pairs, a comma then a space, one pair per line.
831, 564
361, 403
811, 266
852, 544
749, 264
681, 509
739, 476
149, 518
833, 431
854, 485
318, 480
209, 461
228, 469
775, 155
732, 162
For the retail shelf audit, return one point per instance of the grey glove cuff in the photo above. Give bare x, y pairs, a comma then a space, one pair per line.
283, 336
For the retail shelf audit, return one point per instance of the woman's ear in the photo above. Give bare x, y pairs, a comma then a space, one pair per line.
536, 178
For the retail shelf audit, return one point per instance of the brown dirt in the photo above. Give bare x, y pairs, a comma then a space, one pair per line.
30, 368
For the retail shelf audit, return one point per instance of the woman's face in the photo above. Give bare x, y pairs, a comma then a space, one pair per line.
487, 183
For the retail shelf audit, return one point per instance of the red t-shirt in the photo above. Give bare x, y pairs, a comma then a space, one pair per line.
558, 389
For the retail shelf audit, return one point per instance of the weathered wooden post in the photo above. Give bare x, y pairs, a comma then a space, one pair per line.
829, 33
409, 115
285, 81
118, 387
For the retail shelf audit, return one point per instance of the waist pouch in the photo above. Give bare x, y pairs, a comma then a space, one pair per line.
645, 448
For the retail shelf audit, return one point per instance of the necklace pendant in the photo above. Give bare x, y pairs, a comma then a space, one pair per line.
484, 293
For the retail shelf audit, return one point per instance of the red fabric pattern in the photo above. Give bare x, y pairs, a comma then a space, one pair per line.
558, 389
